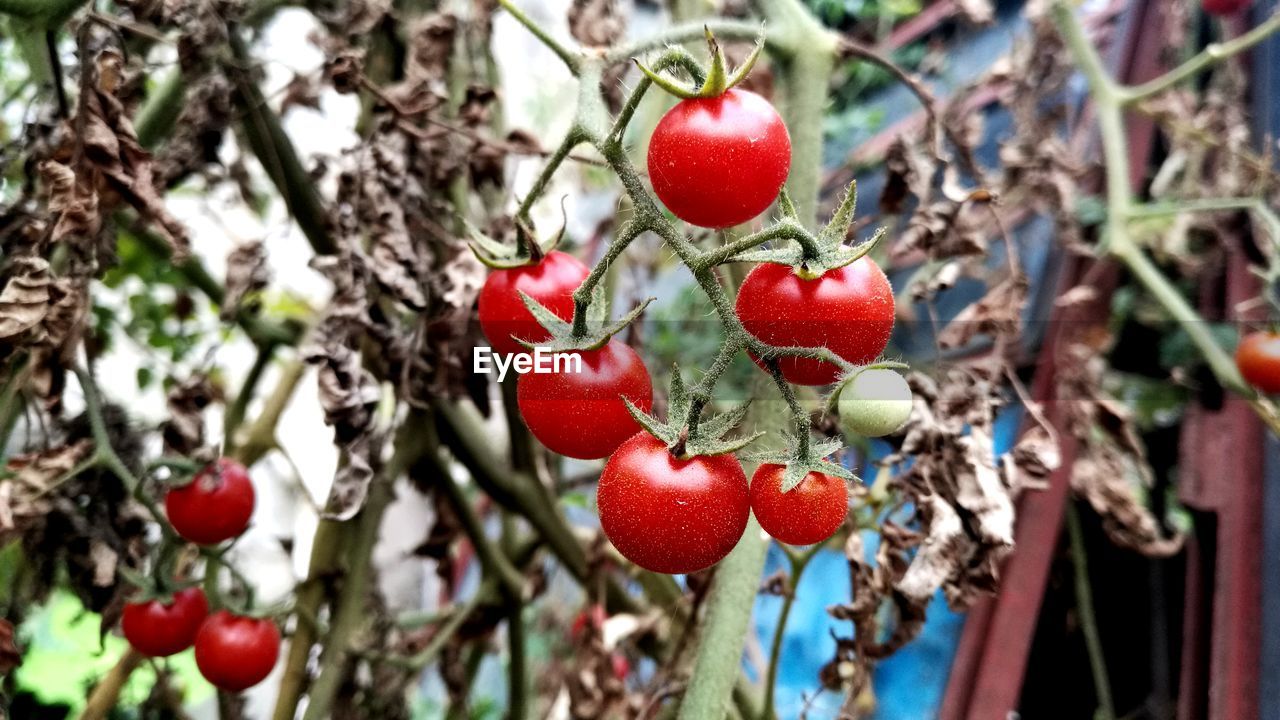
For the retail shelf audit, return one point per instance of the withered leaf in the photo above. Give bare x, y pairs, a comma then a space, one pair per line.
25, 299
184, 430
998, 312
941, 553
247, 274
596, 23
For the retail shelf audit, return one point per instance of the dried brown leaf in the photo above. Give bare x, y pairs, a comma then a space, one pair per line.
25, 299
247, 275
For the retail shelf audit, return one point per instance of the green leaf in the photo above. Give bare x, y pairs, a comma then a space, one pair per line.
793, 476
574, 499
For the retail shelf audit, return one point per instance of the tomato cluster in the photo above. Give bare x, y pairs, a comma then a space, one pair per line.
715, 162
233, 652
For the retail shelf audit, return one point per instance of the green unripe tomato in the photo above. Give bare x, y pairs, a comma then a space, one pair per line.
874, 403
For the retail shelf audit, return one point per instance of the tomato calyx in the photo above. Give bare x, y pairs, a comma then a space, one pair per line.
820, 253
528, 249
800, 459
711, 83
685, 433
593, 334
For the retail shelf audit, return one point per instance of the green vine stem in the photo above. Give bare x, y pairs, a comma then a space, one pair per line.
798, 561
1109, 100
351, 610
1088, 620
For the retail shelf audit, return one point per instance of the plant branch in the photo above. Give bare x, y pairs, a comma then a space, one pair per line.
1088, 621
798, 564
351, 609
1207, 58
571, 59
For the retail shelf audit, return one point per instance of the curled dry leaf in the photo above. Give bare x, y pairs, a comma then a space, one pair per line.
1110, 464
596, 23
247, 275
999, 312
348, 393
24, 302
118, 160
184, 430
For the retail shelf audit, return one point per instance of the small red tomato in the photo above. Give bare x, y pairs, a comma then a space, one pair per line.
593, 618
215, 506
581, 414
808, 513
621, 668
670, 515
717, 162
158, 629
1225, 8
234, 652
551, 281
848, 310
1258, 357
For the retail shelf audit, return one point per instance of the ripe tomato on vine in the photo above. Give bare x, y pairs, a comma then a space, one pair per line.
671, 515
550, 280
719, 161
158, 628
235, 652
1258, 358
848, 310
582, 414
807, 513
215, 506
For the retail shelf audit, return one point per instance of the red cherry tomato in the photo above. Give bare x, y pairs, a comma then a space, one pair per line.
621, 668
593, 617
808, 513
1258, 357
717, 162
158, 629
1225, 8
670, 515
581, 414
215, 506
848, 310
234, 652
550, 281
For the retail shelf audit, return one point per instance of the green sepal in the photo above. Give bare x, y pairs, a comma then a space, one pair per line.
599, 328
717, 79
833, 253
501, 256
798, 466
708, 439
